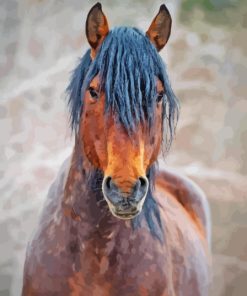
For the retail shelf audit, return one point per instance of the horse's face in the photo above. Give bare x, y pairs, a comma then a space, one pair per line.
124, 159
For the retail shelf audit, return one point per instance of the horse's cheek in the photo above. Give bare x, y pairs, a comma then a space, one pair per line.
88, 140
156, 140
152, 148
93, 139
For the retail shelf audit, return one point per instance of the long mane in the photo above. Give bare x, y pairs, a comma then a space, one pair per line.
128, 65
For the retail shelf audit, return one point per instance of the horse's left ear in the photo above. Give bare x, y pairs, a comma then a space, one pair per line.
96, 28
160, 28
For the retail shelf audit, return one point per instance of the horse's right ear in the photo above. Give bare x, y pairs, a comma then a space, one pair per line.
96, 28
160, 28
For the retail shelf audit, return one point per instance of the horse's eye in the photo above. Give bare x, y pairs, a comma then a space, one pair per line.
93, 93
160, 97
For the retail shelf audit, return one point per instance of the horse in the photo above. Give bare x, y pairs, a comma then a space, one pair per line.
113, 222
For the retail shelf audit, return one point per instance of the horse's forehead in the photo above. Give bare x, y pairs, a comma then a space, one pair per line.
95, 83
159, 84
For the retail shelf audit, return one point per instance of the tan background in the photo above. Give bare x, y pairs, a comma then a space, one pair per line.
206, 57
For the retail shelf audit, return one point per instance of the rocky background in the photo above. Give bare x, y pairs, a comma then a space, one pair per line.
206, 57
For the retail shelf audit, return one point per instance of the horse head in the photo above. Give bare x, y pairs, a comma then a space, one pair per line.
126, 105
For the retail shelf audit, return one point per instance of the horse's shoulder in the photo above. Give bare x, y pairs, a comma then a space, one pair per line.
189, 195
41, 242
51, 209
59, 183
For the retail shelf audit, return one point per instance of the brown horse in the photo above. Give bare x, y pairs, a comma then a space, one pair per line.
113, 224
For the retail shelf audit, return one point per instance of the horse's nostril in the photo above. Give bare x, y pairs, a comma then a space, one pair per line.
108, 182
143, 182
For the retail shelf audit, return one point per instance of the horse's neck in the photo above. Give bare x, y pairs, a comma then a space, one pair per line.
83, 202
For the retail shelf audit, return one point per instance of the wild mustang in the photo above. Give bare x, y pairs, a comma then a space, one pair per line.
113, 224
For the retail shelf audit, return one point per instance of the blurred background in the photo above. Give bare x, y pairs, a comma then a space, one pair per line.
40, 43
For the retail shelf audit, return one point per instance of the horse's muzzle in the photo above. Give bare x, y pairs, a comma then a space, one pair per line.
125, 205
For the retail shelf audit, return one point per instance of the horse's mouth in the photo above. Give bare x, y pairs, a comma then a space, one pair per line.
125, 211
125, 215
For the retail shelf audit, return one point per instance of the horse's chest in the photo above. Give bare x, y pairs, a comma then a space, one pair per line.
119, 269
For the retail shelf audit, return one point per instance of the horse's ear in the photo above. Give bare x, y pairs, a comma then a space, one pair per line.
160, 28
96, 28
